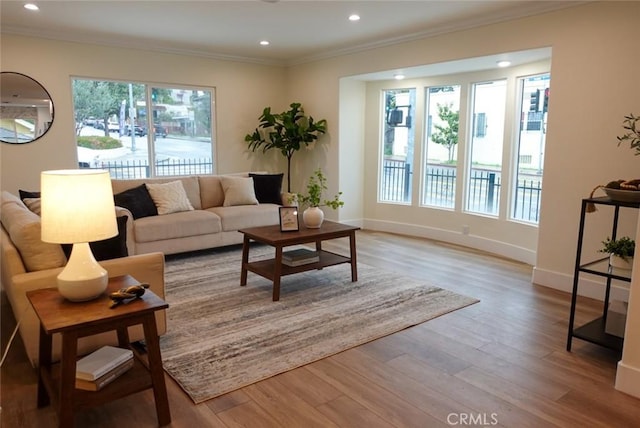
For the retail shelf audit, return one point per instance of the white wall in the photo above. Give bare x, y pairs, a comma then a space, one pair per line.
594, 84
242, 91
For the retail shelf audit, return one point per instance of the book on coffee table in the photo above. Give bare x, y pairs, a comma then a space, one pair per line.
105, 379
299, 257
99, 362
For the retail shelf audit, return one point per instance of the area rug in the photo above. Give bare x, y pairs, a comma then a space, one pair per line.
221, 336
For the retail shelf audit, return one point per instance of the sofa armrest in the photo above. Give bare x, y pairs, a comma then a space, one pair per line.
148, 268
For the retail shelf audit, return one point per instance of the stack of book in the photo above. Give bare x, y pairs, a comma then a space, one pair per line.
300, 257
100, 368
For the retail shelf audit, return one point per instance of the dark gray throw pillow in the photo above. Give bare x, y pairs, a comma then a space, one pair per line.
110, 248
268, 188
24, 194
138, 201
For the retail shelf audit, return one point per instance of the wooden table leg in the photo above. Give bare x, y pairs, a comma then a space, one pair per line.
123, 337
44, 364
245, 260
67, 378
277, 273
157, 373
354, 263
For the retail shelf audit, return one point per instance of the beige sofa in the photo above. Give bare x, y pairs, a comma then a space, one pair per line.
29, 264
209, 224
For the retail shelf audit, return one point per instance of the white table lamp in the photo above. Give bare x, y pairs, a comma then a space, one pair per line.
78, 208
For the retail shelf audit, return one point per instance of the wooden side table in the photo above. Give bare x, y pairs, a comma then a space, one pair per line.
56, 382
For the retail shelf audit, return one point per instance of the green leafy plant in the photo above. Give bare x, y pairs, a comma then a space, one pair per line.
316, 185
632, 134
288, 132
624, 247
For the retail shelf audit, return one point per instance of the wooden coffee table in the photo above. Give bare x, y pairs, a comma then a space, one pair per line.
273, 269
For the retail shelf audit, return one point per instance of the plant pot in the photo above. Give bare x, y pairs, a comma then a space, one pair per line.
620, 263
313, 217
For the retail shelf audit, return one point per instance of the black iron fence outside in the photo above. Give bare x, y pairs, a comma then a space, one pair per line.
483, 195
483, 192
129, 169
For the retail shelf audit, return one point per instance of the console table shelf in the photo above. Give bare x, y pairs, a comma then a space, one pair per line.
595, 330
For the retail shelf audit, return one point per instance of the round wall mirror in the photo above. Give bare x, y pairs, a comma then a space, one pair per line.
26, 109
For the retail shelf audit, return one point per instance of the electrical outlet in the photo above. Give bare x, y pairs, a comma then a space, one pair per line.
465, 229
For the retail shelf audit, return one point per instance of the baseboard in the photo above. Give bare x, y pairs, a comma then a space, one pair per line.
628, 379
471, 241
587, 287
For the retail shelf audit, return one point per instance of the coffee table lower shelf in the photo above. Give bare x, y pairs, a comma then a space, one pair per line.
266, 268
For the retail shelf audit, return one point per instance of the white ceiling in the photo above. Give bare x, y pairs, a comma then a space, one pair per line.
299, 31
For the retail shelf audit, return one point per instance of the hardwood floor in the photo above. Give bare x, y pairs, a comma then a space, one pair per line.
500, 362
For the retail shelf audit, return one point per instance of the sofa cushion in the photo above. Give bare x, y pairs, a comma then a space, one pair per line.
137, 200
211, 193
268, 187
169, 197
176, 225
23, 227
238, 191
243, 216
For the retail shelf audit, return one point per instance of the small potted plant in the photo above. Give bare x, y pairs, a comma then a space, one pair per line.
313, 216
621, 252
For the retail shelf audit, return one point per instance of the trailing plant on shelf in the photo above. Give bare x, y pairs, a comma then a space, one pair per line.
623, 247
315, 186
288, 132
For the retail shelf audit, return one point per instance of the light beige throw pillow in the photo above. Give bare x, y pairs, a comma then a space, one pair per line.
169, 197
238, 191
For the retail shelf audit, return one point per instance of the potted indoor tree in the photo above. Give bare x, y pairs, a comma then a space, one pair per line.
621, 252
313, 216
288, 132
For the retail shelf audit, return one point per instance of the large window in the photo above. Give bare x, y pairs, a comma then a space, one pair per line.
137, 130
484, 170
534, 93
442, 120
397, 145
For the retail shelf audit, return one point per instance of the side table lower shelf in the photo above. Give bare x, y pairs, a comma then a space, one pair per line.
594, 332
133, 380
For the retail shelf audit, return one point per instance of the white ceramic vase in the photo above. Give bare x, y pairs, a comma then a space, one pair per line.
620, 263
313, 217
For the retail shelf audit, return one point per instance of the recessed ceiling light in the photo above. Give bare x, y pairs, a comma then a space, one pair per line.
264, 42
31, 6
354, 17
504, 63
398, 76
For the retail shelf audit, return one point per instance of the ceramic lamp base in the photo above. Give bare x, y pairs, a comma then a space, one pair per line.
82, 278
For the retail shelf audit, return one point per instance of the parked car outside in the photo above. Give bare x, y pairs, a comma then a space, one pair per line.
160, 131
140, 131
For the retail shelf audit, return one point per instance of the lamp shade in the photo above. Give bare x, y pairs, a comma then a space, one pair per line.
77, 206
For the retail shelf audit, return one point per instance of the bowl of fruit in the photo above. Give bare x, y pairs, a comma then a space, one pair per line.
623, 190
